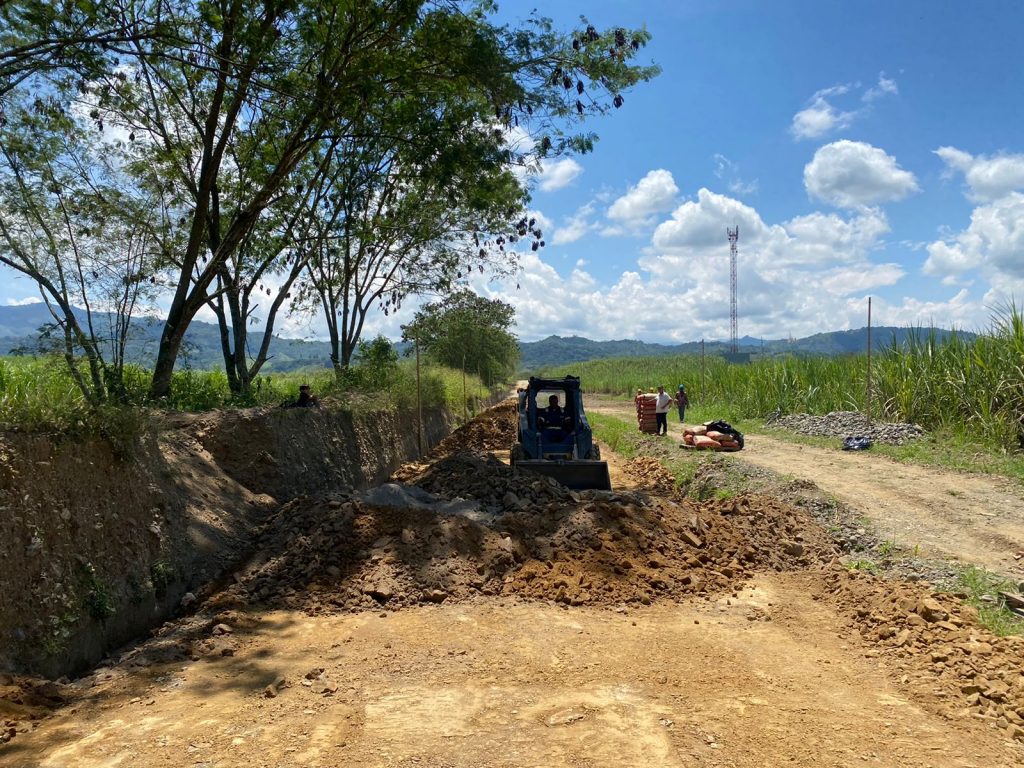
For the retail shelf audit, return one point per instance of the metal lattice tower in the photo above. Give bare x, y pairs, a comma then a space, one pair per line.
734, 236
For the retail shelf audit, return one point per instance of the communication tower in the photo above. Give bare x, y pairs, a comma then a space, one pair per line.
734, 236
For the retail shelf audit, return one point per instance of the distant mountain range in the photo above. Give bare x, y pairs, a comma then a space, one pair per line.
559, 350
19, 331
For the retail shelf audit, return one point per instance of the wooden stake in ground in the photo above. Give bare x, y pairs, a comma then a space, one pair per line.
419, 403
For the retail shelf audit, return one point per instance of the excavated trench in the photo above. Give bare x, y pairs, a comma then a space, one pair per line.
461, 528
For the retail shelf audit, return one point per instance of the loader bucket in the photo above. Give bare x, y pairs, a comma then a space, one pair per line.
575, 474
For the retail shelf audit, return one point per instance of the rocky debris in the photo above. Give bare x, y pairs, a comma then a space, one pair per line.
24, 700
492, 430
651, 474
318, 681
934, 640
532, 538
847, 423
477, 475
273, 690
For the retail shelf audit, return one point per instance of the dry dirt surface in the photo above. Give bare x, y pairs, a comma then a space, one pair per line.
468, 617
975, 519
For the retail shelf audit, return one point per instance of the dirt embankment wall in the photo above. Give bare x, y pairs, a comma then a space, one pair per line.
97, 548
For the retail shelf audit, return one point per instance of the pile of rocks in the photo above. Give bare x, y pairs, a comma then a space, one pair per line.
652, 475
947, 658
492, 430
849, 423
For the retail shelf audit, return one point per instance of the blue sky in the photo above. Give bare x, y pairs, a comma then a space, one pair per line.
864, 149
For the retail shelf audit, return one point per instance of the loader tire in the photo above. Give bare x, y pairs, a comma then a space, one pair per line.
595, 453
516, 454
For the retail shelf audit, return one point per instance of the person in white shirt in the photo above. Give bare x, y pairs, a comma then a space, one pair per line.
661, 406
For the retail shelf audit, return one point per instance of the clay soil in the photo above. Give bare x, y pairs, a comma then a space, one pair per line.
505, 621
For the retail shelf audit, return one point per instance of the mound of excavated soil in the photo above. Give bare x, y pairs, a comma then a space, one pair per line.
23, 700
948, 660
492, 430
651, 474
471, 527
525, 537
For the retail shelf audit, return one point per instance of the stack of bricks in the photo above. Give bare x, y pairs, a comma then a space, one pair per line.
645, 407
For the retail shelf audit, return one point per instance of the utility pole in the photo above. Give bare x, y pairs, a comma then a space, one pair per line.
867, 393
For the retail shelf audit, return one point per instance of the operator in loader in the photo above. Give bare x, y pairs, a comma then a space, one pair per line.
553, 415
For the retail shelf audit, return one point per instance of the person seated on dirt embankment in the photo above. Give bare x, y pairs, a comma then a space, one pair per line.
306, 399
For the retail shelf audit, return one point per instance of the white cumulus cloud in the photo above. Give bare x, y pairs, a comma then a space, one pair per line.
818, 119
821, 116
559, 173
852, 174
801, 276
988, 178
993, 243
655, 193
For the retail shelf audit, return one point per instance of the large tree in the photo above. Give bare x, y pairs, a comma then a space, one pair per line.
421, 203
68, 222
403, 224
468, 332
221, 104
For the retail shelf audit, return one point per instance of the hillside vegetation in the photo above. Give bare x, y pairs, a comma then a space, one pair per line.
561, 350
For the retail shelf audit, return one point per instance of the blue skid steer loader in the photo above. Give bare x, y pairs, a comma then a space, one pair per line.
553, 437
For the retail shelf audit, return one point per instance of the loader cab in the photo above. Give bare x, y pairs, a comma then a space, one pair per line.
553, 436
544, 436
556, 412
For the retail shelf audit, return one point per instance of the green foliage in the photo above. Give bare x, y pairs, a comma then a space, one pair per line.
376, 367
983, 588
618, 435
161, 575
234, 113
468, 332
863, 565
97, 597
37, 394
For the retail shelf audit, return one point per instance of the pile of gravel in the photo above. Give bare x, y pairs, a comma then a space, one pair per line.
849, 423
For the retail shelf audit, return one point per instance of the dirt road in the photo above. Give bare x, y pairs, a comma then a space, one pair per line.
660, 633
975, 519
487, 684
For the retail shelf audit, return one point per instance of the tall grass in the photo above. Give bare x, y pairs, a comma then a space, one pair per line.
793, 384
38, 394
955, 383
